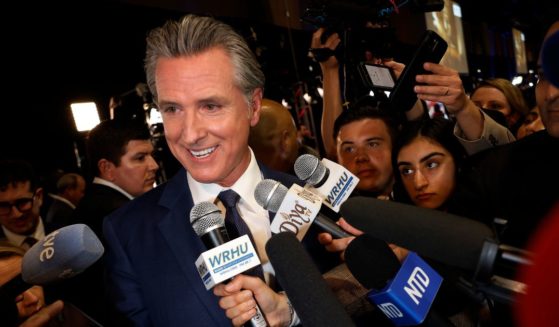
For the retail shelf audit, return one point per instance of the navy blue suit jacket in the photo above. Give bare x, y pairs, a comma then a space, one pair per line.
150, 258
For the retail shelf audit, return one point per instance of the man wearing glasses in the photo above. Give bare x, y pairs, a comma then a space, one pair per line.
20, 201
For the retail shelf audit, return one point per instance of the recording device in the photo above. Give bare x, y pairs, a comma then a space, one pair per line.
329, 180
225, 258
296, 209
377, 77
431, 49
450, 239
62, 254
403, 293
309, 294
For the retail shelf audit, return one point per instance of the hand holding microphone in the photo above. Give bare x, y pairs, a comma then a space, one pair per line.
225, 259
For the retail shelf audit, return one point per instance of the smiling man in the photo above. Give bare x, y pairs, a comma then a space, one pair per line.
208, 87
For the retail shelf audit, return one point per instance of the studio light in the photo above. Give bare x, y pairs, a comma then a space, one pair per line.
85, 115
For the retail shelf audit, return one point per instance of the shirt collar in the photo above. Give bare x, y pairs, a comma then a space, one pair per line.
244, 186
99, 180
62, 199
18, 239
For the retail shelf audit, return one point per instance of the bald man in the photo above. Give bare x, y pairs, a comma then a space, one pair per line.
274, 139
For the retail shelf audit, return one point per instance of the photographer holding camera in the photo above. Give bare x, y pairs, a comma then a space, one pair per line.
475, 130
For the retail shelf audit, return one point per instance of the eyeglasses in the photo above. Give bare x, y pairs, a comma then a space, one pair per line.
22, 205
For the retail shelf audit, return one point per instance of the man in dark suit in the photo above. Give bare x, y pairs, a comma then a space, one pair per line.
119, 154
70, 189
208, 87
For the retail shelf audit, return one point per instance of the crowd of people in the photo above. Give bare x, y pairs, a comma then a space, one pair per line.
209, 89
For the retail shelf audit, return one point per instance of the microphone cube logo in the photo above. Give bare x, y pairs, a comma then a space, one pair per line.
297, 212
226, 261
338, 187
408, 298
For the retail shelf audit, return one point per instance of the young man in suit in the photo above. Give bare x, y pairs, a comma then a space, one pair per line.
20, 202
208, 87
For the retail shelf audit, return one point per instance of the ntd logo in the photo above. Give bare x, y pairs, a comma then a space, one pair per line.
417, 284
390, 310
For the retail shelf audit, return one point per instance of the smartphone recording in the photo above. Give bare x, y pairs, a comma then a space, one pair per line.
377, 76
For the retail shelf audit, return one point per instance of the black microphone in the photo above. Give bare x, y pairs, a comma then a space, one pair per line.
271, 195
309, 294
450, 239
374, 265
209, 225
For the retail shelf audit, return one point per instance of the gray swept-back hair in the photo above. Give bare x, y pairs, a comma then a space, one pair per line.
193, 35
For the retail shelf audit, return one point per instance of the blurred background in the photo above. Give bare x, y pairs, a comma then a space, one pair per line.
57, 54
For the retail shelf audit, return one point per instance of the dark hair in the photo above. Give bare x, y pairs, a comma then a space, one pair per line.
13, 172
439, 130
367, 108
109, 139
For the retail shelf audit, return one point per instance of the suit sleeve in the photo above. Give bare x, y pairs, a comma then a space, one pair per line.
123, 288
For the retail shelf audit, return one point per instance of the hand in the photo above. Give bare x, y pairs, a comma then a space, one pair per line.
396, 67
30, 301
401, 253
443, 85
43, 316
339, 245
331, 43
240, 296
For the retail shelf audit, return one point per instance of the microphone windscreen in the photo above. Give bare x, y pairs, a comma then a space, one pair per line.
205, 216
371, 261
309, 294
62, 254
309, 169
269, 194
450, 239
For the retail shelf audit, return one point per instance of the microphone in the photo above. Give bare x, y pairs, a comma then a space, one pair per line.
62, 254
309, 294
331, 181
450, 239
296, 209
225, 258
403, 293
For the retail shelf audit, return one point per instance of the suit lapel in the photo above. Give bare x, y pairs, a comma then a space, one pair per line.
183, 241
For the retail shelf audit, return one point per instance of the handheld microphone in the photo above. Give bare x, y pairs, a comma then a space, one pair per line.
309, 294
331, 181
296, 209
225, 257
450, 239
403, 293
62, 254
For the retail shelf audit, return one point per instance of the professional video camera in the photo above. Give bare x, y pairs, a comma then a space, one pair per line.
365, 31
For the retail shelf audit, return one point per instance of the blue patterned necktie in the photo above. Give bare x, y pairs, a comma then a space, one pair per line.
236, 226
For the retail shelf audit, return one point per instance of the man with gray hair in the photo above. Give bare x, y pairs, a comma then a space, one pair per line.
208, 87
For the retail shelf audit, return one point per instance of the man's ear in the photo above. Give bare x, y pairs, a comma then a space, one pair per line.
256, 107
106, 169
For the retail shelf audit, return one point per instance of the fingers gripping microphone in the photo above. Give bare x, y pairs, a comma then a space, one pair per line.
331, 181
309, 294
225, 258
62, 254
296, 209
